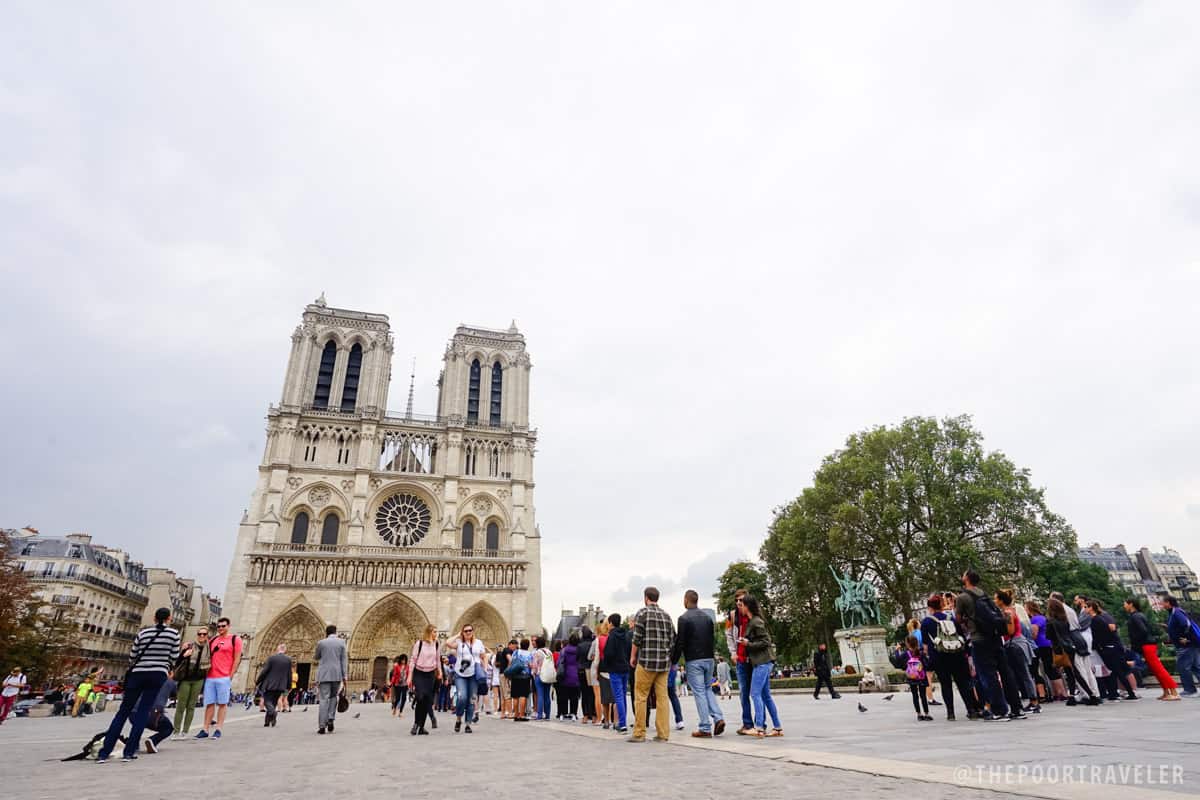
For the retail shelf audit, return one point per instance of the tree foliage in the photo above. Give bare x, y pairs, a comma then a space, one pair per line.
908, 507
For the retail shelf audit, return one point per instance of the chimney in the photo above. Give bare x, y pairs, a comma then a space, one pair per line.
79, 538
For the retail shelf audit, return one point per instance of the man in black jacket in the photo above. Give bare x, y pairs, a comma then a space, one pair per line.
616, 663
824, 672
694, 642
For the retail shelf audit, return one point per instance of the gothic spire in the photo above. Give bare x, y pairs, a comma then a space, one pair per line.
412, 380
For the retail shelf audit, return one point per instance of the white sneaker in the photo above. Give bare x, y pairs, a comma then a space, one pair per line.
678, 726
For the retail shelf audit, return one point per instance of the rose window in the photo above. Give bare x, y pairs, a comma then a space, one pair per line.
403, 520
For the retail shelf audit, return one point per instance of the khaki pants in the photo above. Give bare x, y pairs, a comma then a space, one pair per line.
643, 681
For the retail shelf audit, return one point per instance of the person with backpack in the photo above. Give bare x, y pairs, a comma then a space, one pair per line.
150, 659
1107, 644
520, 670
468, 653
917, 679
945, 649
616, 663
544, 676
984, 623
1143, 640
1185, 636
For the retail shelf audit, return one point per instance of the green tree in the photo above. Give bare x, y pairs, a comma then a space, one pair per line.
908, 507
741, 575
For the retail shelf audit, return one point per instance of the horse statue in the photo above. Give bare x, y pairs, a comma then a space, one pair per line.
858, 603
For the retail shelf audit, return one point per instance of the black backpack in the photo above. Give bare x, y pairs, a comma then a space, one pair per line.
92, 748
989, 620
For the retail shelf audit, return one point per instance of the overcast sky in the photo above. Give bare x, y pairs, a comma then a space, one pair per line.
732, 234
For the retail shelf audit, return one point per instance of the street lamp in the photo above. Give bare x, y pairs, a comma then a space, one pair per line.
854, 641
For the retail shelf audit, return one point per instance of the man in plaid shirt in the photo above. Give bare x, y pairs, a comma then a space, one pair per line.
653, 637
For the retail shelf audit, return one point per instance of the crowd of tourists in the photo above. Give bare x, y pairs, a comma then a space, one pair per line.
992, 656
594, 676
1009, 659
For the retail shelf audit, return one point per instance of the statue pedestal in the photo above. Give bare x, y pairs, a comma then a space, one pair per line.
872, 648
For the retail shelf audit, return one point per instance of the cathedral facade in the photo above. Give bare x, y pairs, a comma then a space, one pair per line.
383, 522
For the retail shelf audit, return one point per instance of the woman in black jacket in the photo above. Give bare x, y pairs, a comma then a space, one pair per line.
1143, 640
1065, 640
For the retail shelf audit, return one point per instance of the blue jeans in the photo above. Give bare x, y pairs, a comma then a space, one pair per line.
673, 693
620, 685
760, 694
140, 693
700, 677
743, 678
1187, 661
466, 688
543, 697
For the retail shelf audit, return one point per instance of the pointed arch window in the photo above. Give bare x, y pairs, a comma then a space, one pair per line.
468, 535
329, 530
473, 393
493, 538
497, 381
300, 528
353, 370
325, 375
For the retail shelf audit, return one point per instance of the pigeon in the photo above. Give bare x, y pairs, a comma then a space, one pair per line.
359, 714
889, 697
862, 708
304, 710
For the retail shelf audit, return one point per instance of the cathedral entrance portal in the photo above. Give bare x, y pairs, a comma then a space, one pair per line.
386, 630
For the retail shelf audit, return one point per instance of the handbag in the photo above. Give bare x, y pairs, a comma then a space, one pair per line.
343, 704
1060, 658
138, 657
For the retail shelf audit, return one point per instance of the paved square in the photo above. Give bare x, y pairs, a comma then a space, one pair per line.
829, 749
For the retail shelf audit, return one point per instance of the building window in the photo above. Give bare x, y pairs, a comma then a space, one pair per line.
300, 529
473, 393
493, 537
468, 539
325, 375
497, 378
71, 569
48, 568
353, 370
329, 530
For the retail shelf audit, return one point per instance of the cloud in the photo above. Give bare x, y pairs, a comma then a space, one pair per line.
1193, 510
212, 435
722, 266
632, 591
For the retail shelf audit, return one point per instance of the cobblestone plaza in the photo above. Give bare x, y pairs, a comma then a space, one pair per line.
1126, 750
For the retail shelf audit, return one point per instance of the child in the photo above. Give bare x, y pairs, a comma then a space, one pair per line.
918, 681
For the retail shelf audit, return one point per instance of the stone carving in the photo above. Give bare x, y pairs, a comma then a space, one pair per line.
376, 483
347, 485
403, 520
294, 482
318, 496
503, 494
464, 492
482, 505
858, 602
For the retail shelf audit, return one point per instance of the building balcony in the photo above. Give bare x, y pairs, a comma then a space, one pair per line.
390, 552
403, 570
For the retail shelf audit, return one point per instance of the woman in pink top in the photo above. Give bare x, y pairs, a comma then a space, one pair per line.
425, 672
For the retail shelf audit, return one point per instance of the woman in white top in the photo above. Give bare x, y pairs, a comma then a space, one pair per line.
468, 652
14, 683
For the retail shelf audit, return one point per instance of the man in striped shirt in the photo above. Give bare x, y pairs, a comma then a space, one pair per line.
154, 653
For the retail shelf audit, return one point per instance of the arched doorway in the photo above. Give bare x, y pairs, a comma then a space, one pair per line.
386, 630
490, 627
299, 628
379, 671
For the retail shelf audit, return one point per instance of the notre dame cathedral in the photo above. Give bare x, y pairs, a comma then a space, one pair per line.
381, 522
